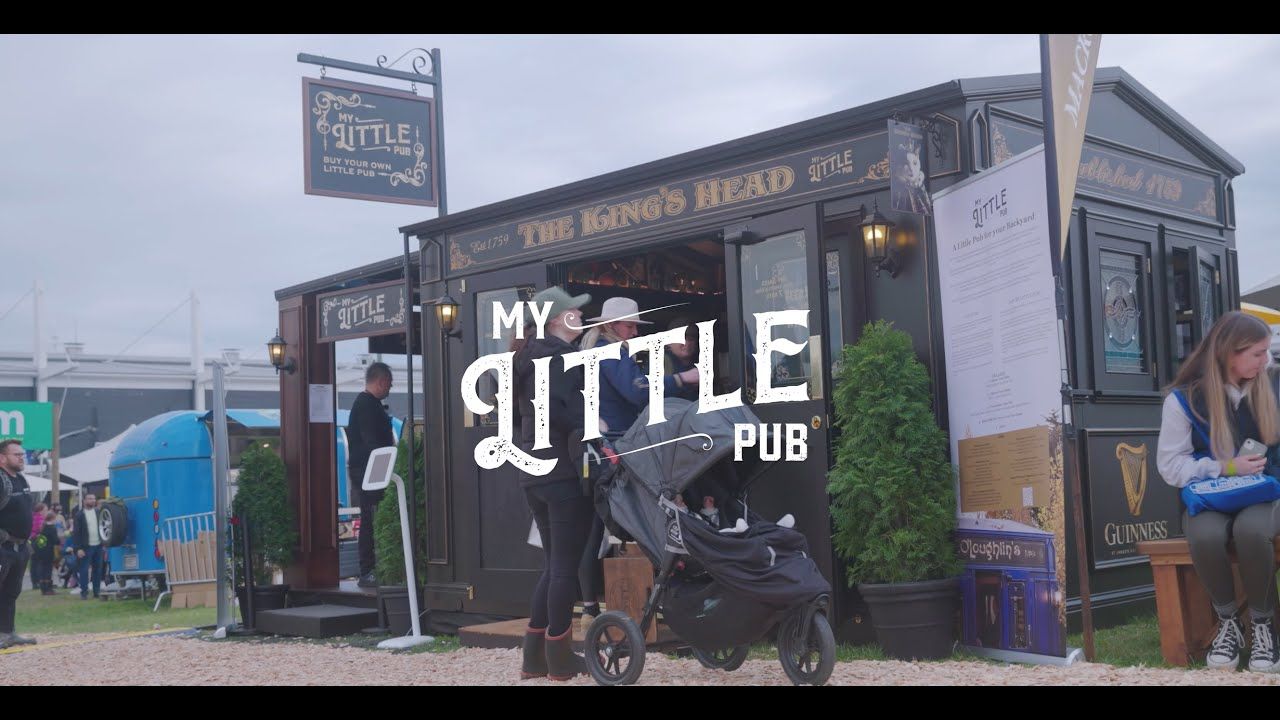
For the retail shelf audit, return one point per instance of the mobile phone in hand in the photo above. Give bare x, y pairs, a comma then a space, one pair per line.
1253, 447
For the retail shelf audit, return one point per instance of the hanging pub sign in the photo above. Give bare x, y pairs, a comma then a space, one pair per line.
908, 189
368, 142
362, 312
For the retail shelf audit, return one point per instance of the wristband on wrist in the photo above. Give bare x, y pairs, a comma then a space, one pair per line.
1231, 467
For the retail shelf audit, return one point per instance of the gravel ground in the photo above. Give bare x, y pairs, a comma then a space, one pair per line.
173, 660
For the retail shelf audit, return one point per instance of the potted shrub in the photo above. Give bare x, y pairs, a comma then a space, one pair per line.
393, 591
893, 496
262, 501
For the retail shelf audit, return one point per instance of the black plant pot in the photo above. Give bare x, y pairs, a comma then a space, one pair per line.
265, 597
914, 621
393, 609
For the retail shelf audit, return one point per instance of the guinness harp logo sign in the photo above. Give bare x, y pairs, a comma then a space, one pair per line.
1133, 468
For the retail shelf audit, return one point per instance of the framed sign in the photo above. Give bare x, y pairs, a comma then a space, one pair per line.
368, 143
1128, 501
366, 311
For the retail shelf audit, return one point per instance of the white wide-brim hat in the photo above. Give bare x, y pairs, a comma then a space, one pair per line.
619, 308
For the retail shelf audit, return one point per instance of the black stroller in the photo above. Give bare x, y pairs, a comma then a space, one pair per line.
724, 577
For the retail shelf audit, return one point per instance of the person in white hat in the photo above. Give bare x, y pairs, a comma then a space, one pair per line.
624, 387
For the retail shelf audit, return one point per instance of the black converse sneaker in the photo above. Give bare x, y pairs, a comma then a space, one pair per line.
1265, 655
1224, 653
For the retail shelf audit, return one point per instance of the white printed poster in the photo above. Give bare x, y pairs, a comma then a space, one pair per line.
1003, 371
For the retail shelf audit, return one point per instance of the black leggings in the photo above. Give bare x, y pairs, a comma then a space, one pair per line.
563, 515
590, 570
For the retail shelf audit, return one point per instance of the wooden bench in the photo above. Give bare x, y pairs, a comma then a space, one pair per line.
1185, 613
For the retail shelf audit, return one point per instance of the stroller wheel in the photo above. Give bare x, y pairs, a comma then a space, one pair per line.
614, 649
727, 659
807, 661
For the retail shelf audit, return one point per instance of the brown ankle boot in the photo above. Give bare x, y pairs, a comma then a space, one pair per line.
535, 654
562, 662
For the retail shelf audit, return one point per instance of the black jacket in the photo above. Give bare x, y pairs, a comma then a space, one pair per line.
80, 535
564, 411
15, 516
368, 428
45, 549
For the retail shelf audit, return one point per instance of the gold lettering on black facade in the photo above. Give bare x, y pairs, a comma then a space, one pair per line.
617, 216
1114, 534
715, 192
546, 231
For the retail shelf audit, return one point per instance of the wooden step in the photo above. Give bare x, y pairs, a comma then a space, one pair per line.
510, 634
315, 621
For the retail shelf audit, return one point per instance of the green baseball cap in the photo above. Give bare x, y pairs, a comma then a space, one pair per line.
560, 300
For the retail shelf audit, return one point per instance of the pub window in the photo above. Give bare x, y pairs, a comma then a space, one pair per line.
775, 277
1183, 310
834, 320
1210, 304
486, 344
1197, 298
1123, 348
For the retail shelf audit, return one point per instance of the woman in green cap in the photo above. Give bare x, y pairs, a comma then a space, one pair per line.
560, 510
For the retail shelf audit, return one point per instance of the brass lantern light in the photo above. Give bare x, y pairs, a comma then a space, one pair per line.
275, 350
877, 232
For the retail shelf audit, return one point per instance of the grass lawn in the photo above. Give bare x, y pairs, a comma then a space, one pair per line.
1137, 642
65, 613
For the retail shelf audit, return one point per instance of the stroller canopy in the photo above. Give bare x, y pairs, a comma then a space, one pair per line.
684, 447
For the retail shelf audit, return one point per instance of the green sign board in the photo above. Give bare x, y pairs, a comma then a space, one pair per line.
30, 422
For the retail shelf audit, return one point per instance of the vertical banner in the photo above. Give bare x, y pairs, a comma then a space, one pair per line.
999, 321
907, 182
1068, 62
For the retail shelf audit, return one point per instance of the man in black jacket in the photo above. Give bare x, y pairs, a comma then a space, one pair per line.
368, 428
90, 550
15, 529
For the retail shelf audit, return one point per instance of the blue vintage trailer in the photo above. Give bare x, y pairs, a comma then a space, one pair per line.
161, 484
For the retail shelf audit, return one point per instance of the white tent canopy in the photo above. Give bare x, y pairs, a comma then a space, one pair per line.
41, 484
91, 465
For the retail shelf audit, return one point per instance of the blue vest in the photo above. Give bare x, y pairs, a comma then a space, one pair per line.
1243, 425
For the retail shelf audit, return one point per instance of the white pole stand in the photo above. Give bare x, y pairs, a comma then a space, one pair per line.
417, 638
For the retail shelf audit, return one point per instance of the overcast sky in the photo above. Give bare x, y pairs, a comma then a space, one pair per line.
138, 169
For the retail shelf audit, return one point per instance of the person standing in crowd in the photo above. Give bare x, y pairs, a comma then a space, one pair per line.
61, 522
560, 510
89, 548
368, 428
59, 519
1224, 394
42, 554
37, 524
15, 529
624, 393
624, 386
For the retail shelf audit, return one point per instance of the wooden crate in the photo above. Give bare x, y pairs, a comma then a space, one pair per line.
628, 581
